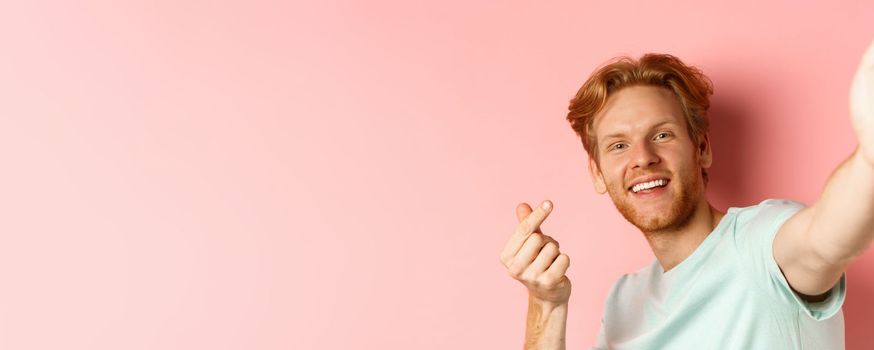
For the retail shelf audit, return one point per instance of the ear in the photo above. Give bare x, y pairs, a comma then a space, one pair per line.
597, 178
705, 154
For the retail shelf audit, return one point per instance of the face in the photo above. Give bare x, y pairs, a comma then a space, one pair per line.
642, 138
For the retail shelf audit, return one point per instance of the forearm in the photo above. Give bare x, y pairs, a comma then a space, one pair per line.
546, 326
842, 226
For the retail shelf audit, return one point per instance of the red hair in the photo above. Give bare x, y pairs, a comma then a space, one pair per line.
691, 87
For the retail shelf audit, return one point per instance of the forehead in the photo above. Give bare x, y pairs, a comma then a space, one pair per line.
637, 108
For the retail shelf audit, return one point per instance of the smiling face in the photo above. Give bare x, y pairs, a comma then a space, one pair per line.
647, 161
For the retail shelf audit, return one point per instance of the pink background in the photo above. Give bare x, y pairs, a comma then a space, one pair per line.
330, 175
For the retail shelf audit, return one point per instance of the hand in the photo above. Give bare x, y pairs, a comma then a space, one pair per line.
533, 258
862, 104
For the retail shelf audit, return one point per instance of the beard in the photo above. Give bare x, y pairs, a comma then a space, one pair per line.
686, 189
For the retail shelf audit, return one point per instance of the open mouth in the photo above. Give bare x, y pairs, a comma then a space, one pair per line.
654, 186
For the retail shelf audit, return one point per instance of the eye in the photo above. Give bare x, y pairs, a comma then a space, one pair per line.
616, 146
662, 135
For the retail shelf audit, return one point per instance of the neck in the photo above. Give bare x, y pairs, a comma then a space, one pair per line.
673, 245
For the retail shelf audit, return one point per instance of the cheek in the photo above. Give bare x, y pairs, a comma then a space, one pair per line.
613, 174
681, 157
688, 166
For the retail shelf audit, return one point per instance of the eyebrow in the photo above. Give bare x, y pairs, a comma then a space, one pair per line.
619, 134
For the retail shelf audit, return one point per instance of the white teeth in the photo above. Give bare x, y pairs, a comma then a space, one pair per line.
647, 185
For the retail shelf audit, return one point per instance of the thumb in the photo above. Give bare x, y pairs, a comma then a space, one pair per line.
522, 211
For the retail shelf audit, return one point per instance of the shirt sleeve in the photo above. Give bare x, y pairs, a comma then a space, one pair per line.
601, 342
755, 234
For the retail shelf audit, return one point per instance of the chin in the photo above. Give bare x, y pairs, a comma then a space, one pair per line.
655, 224
654, 217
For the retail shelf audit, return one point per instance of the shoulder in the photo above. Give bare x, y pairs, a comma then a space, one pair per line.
768, 212
753, 228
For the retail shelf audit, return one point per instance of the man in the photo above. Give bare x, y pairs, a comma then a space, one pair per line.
767, 276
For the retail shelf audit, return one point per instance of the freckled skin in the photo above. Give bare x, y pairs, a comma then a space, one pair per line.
677, 216
633, 111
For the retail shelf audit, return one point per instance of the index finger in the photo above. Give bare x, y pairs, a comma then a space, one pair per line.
531, 222
527, 225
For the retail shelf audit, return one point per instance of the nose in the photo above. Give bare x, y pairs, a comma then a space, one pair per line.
643, 156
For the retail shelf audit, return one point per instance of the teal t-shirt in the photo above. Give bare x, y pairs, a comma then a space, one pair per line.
728, 294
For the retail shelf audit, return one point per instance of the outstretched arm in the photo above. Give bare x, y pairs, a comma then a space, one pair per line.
817, 244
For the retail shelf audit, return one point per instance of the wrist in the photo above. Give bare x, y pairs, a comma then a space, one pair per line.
863, 159
547, 324
546, 305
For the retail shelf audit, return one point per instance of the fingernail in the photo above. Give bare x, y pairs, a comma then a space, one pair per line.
546, 205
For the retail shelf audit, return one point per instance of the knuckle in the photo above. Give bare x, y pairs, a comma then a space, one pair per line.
550, 239
504, 259
551, 247
515, 270
565, 260
529, 277
546, 280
